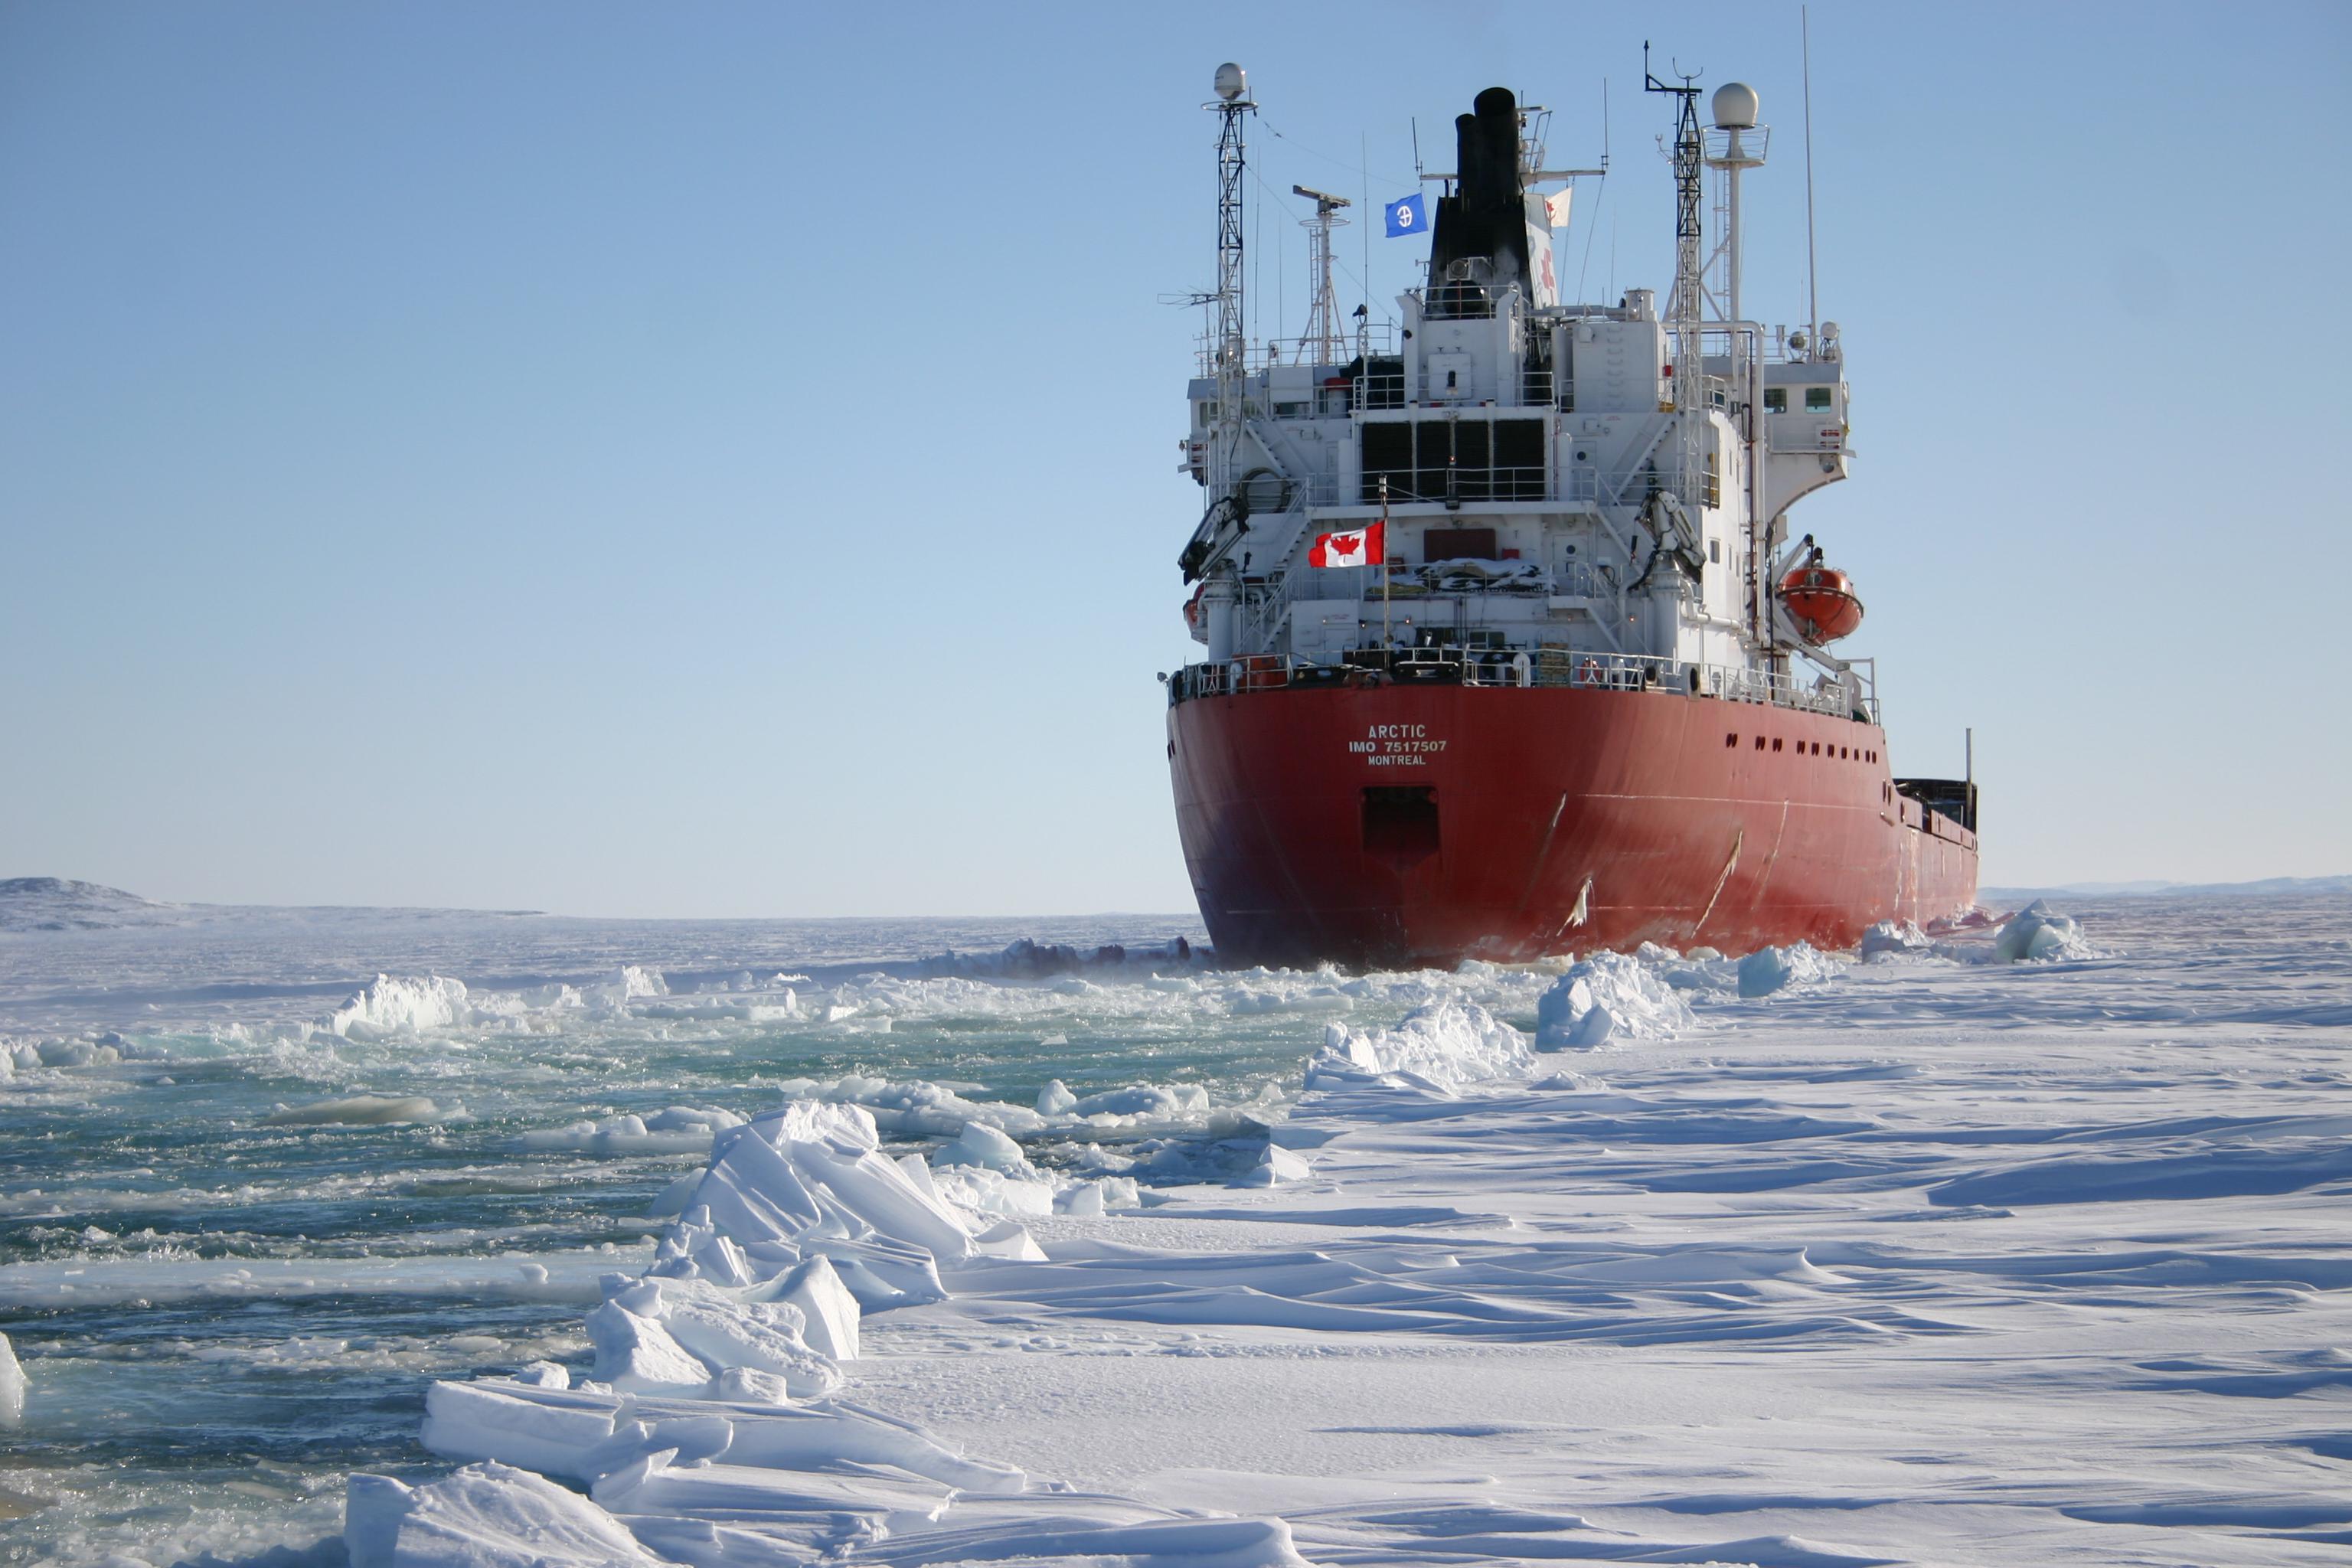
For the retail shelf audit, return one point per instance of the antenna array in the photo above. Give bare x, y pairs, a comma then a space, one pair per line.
1231, 349
1690, 382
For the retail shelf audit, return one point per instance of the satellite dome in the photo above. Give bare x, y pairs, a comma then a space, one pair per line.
1233, 81
1736, 106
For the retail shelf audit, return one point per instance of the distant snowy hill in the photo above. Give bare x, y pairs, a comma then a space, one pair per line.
58, 903
55, 903
2170, 889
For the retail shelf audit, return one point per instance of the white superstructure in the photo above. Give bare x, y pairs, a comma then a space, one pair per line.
1572, 482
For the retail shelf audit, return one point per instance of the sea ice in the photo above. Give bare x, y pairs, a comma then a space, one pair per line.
636, 1353
1607, 995
1275, 1167
1938, 1255
12, 1385
982, 1145
829, 1314
2039, 932
357, 1111
986, 1191
1894, 937
401, 1003
1445, 1047
484, 1516
1772, 969
680, 1130
918, 1109
636, 981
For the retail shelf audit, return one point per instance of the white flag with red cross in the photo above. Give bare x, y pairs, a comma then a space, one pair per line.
1363, 547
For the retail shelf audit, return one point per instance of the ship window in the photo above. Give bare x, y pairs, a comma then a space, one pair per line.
1816, 398
1759, 742
1518, 442
1400, 823
1776, 744
1776, 400
1715, 549
1388, 454
1731, 740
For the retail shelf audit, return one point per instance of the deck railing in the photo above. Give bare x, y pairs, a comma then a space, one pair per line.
1525, 669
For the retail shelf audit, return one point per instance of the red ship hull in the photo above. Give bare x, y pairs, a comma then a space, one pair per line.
1404, 825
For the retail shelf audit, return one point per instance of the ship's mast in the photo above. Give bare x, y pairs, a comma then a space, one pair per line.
1736, 144
1231, 345
1683, 316
1322, 336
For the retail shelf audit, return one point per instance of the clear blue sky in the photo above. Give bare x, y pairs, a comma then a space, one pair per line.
719, 459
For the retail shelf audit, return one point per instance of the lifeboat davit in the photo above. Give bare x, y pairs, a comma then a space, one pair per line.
1822, 603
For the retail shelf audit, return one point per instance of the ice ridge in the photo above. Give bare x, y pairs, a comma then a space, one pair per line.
705, 1433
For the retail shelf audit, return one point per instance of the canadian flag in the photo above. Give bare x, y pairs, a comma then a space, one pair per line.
1364, 547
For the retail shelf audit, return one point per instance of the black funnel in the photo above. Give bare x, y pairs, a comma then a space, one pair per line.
1485, 218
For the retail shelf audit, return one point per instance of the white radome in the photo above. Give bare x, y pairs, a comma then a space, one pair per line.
1736, 107
1231, 82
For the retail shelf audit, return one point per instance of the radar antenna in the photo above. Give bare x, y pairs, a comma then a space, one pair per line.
1322, 336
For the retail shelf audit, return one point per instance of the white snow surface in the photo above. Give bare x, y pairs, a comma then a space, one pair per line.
2020, 1243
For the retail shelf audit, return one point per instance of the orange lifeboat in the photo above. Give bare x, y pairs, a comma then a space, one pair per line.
1823, 602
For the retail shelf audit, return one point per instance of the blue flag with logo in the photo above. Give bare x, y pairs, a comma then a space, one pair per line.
1407, 217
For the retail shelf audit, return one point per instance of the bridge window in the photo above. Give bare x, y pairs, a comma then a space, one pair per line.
1470, 459
1776, 400
1816, 399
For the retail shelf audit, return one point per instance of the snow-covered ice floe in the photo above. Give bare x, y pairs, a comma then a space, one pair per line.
705, 1433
